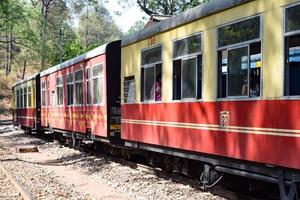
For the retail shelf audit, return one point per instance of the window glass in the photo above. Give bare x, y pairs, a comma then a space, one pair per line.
98, 70
17, 98
187, 46
151, 56
292, 22
129, 89
187, 71
79, 75
292, 81
70, 89
98, 93
78, 87
88, 87
59, 91
238, 72
43, 93
29, 96
149, 83
98, 84
21, 97
239, 32
25, 96
189, 78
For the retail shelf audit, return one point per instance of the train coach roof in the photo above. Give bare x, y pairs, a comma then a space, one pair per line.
193, 14
90, 54
25, 80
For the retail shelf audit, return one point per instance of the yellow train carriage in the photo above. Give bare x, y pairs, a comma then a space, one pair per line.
219, 80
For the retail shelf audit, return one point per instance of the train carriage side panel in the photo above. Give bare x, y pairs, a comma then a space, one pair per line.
260, 130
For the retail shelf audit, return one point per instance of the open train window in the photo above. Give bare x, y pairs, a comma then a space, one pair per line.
187, 68
70, 89
151, 75
239, 59
292, 51
59, 91
98, 84
129, 89
79, 87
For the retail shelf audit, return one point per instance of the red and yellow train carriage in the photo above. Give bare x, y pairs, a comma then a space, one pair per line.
80, 97
26, 98
229, 89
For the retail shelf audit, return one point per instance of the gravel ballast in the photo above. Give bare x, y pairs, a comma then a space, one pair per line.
134, 183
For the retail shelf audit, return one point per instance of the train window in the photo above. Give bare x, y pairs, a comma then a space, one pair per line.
129, 89
292, 51
187, 68
239, 32
29, 95
292, 65
187, 46
88, 86
151, 71
43, 93
98, 84
151, 55
292, 16
70, 89
21, 97
59, 91
239, 66
17, 97
78, 87
25, 95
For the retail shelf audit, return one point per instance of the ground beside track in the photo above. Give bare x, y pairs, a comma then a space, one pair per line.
61, 173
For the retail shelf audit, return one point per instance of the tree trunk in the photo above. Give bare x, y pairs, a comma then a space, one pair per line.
24, 68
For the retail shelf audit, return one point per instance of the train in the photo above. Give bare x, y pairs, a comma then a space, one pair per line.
217, 85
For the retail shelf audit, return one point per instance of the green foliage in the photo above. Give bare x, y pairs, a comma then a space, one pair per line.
139, 25
163, 7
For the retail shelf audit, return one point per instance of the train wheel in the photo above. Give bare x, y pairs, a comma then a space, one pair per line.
209, 177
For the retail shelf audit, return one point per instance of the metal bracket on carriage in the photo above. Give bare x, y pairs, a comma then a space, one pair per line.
209, 177
292, 192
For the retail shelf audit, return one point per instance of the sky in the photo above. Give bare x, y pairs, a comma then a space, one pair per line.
128, 16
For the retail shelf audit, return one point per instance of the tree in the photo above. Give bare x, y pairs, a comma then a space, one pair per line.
96, 27
139, 25
164, 7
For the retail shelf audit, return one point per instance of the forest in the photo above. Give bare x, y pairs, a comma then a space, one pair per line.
37, 34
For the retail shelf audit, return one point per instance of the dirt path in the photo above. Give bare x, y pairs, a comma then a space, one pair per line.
50, 163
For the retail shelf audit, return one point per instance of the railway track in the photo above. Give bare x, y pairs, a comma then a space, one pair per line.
19, 188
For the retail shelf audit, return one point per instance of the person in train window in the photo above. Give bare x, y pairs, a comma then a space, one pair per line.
254, 89
156, 89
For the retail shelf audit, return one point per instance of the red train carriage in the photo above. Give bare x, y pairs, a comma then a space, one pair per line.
27, 103
208, 85
80, 97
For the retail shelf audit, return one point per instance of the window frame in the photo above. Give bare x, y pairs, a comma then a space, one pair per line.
186, 57
240, 45
45, 89
86, 90
29, 96
131, 80
74, 88
92, 85
285, 35
56, 91
154, 64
